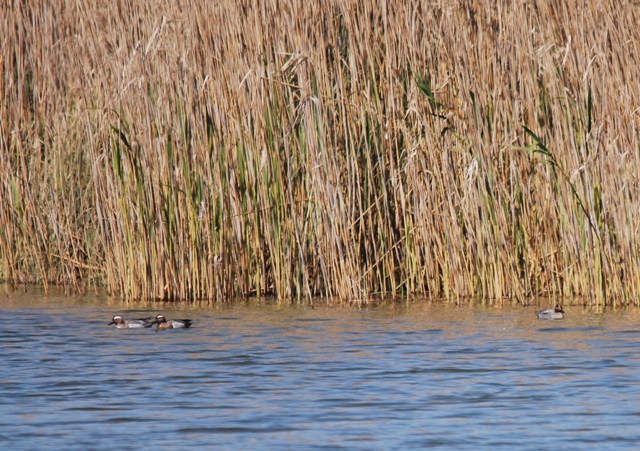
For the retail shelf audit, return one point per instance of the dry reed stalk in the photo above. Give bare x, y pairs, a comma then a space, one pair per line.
349, 149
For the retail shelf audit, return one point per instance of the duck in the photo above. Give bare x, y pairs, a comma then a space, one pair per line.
130, 323
551, 313
164, 324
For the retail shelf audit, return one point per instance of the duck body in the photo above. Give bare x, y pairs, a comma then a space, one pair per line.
551, 313
164, 323
139, 323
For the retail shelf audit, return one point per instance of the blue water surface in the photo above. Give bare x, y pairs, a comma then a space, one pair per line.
258, 375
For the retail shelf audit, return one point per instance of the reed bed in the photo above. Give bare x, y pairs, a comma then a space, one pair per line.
208, 150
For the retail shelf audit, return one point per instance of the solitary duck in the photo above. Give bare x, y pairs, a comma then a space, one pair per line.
551, 313
163, 323
131, 323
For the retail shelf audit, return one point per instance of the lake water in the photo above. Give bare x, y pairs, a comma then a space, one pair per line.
257, 375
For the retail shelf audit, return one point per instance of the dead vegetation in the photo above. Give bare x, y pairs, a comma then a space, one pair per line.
206, 150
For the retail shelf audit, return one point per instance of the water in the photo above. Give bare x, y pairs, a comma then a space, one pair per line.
263, 376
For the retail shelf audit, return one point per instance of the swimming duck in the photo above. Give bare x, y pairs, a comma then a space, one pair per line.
131, 323
163, 323
551, 313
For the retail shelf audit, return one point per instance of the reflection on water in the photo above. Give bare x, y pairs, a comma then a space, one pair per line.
411, 375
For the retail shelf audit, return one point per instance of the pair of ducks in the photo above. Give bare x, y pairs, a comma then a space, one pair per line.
139, 323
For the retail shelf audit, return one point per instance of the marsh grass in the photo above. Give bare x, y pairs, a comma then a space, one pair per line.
342, 149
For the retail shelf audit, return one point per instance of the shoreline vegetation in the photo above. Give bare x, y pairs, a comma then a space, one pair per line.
345, 149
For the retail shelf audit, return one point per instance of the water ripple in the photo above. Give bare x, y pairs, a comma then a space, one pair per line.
427, 375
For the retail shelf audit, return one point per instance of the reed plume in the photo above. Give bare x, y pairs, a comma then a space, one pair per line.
207, 150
